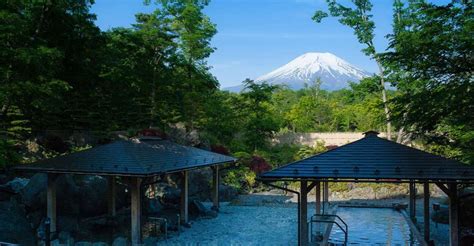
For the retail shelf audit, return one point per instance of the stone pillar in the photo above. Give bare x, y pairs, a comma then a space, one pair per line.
453, 215
426, 211
215, 188
304, 214
184, 213
51, 202
136, 229
111, 196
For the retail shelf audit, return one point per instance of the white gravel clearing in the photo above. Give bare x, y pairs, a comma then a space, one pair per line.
242, 225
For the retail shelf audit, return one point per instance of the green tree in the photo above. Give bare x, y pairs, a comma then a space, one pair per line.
259, 124
359, 18
431, 61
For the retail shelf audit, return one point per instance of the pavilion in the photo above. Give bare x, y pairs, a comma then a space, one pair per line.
132, 160
374, 159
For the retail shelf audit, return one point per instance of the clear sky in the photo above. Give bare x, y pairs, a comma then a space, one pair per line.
256, 36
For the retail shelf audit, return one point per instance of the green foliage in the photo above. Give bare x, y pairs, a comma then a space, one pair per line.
8, 154
431, 62
307, 151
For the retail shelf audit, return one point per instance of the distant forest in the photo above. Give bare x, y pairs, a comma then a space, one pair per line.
59, 71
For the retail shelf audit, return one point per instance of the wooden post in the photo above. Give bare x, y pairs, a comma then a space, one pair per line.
318, 198
325, 196
426, 211
184, 198
453, 215
51, 202
136, 210
215, 188
304, 214
412, 202
111, 195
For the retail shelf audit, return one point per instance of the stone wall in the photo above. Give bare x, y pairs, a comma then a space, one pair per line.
310, 139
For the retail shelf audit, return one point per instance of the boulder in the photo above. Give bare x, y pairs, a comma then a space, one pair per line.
168, 193
150, 241
153, 206
227, 193
93, 196
120, 241
83, 244
99, 244
14, 227
33, 195
17, 184
200, 184
196, 208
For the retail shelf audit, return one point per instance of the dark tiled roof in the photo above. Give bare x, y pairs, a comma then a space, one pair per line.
130, 158
374, 158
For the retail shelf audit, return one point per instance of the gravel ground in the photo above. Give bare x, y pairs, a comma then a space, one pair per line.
269, 219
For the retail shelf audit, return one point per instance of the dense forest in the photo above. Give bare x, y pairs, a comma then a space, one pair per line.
59, 71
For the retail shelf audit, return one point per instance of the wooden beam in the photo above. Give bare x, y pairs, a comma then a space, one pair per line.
184, 198
453, 215
311, 186
136, 230
51, 202
318, 197
443, 188
426, 211
111, 196
215, 188
304, 240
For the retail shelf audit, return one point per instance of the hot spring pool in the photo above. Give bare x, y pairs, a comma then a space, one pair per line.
373, 226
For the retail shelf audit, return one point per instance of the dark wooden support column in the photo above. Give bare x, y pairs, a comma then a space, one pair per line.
412, 205
215, 188
325, 196
303, 214
51, 202
136, 230
111, 196
184, 198
318, 198
426, 211
453, 214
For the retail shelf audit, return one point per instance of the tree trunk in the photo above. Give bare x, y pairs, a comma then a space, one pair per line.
384, 99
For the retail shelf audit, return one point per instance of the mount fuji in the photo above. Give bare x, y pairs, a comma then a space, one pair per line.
334, 72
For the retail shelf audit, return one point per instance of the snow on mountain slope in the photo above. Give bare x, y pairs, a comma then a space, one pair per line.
332, 70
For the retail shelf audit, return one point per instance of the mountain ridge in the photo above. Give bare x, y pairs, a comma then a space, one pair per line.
333, 71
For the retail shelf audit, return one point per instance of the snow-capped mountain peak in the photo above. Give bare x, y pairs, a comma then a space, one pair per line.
333, 71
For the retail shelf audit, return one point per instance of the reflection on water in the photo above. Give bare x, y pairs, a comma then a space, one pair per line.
373, 226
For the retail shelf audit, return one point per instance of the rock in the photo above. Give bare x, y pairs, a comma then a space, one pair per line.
66, 239
168, 193
200, 181
197, 208
17, 184
153, 206
14, 227
99, 244
150, 241
34, 194
83, 244
3, 179
227, 193
120, 241
93, 194
68, 223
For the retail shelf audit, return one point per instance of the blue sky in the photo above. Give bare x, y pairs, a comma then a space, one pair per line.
256, 36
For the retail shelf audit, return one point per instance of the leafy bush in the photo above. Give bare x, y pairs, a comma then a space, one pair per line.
8, 155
